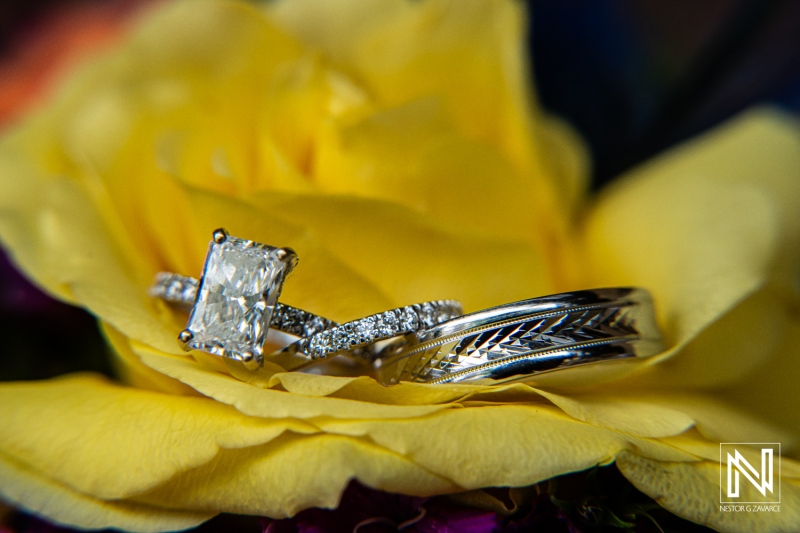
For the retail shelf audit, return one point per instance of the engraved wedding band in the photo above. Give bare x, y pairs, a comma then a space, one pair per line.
515, 341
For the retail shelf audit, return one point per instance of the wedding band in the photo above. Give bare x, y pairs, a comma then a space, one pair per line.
235, 302
516, 341
365, 332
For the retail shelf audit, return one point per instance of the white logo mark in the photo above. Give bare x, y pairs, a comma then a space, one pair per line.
761, 481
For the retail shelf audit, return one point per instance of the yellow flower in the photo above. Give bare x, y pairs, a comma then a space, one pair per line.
396, 147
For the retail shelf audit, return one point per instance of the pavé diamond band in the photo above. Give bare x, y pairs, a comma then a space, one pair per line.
367, 331
235, 302
516, 341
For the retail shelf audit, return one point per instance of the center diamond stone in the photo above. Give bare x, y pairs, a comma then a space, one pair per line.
238, 291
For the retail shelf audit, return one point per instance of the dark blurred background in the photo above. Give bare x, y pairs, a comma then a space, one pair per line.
637, 76
634, 77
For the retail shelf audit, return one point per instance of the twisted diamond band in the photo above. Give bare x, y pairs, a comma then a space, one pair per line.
366, 331
516, 341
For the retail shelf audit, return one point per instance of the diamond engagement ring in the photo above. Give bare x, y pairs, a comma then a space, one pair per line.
235, 302
515, 341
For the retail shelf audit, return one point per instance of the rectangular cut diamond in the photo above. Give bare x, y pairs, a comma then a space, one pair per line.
239, 289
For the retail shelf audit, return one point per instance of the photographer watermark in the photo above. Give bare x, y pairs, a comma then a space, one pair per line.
750, 477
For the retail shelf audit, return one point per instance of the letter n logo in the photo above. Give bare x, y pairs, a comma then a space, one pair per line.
741, 471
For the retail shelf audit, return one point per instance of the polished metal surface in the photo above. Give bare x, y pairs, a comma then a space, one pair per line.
518, 340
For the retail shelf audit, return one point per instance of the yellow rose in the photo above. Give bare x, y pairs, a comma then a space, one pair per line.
395, 145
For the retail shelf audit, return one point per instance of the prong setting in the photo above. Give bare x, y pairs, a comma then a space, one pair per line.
220, 235
284, 253
288, 256
184, 338
249, 359
247, 356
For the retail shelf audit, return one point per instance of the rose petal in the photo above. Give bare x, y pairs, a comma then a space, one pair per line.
58, 236
700, 229
486, 85
35, 492
770, 392
624, 413
410, 256
268, 403
508, 445
112, 441
484, 90
290, 474
727, 351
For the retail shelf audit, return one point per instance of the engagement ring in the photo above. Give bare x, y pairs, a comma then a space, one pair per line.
235, 302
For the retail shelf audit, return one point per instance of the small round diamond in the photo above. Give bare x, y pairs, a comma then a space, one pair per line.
313, 326
189, 291
340, 340
365, 330
314, 348
387, 324
291, 318
409, 320
174, 289
428, 315
442, 312
324, 340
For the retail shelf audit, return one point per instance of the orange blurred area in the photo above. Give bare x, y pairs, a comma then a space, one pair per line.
52, 42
